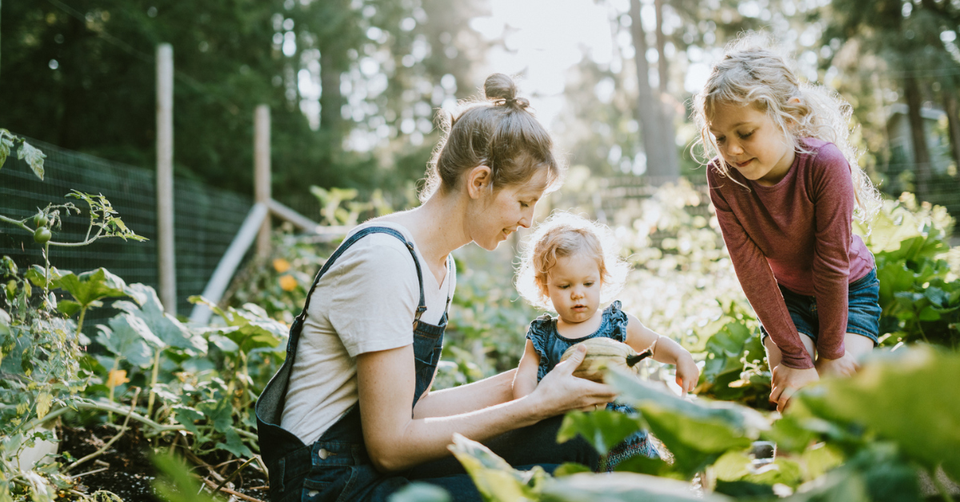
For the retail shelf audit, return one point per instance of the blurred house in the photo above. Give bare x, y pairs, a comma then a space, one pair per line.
901, 143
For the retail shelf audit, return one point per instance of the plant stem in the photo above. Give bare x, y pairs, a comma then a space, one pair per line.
230, 477
153, 380
116, 366
123, 429
942, 488
16, 223
46, 269
83, 313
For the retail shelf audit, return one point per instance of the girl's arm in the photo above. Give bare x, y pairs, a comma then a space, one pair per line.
834, 200
665, 350
396, 440
526, 379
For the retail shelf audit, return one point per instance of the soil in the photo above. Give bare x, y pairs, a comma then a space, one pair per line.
126, 470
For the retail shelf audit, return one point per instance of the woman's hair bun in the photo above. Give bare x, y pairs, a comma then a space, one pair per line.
501, 89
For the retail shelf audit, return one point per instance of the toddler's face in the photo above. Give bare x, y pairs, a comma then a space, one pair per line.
573, 285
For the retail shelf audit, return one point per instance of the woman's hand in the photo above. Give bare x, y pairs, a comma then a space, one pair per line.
559, 391
688, 374
787, 381
847, 365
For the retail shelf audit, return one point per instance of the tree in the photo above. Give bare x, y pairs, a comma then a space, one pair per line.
86, 67
911, 38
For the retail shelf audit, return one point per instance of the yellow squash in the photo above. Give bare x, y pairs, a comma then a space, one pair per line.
603, 354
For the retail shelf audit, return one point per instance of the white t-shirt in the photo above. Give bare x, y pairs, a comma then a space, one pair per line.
366, 302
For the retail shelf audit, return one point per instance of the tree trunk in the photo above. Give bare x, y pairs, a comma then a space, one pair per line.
661, 44
666, 101
921, 155
953, 121
649, 107
331, 100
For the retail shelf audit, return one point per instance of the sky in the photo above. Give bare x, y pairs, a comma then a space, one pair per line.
542, 40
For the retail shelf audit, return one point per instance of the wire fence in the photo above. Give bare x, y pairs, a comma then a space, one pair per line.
205, 219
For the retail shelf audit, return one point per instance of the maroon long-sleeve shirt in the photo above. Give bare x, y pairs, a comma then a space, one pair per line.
796, 233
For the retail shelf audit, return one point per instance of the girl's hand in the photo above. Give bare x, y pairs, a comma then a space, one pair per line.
688, 374
787, 381
847, 365
559, 391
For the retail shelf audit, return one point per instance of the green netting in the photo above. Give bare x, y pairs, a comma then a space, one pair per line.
205, 219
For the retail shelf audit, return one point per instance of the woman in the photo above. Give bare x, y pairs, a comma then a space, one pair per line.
350, 416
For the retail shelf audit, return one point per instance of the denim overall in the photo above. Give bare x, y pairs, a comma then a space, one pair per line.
336, 467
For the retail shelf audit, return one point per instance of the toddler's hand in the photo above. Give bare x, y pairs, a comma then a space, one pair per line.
847, 365
688, 374
786, 381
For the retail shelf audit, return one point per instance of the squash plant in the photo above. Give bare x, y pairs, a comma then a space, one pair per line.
864, 438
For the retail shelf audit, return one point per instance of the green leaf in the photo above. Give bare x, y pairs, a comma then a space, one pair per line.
420, 492
235, 445
569, 468
790, 433
68, 307
4, 324
625, 487
175, 484
38, 276
130, 338
220, 414
696, 433
249, 327
166, 327
929, 314
33, 156
91, 286
821, 458
744, 489
843, 484
495, 478
603, 429
909, 397
6, 143
188, 417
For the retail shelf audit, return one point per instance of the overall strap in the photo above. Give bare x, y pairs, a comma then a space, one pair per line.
451, 271
421, 307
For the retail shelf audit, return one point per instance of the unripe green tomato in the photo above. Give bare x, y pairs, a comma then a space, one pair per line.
42, 235
40, 220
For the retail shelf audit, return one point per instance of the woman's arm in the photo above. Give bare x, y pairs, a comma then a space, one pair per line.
396, 441
525, 382
465, 398
665, 350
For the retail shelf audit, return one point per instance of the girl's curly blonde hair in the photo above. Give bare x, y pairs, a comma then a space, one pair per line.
566, 234
752, 72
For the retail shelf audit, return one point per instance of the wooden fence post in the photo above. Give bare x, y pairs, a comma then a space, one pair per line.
261, 170
165, 237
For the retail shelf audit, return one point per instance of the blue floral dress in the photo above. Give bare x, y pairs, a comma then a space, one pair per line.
550, 346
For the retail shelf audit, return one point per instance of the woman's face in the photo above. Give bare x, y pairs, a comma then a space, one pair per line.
503, 211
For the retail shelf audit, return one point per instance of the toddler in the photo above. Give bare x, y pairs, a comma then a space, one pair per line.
570, 266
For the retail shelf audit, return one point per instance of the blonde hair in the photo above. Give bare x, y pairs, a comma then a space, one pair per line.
753, 73
566, 234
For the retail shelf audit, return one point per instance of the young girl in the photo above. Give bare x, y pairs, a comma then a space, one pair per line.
785, 183
571, 266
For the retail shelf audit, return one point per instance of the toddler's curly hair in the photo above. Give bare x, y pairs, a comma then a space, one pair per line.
566, 234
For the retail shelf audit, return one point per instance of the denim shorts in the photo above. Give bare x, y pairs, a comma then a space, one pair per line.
863, 317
